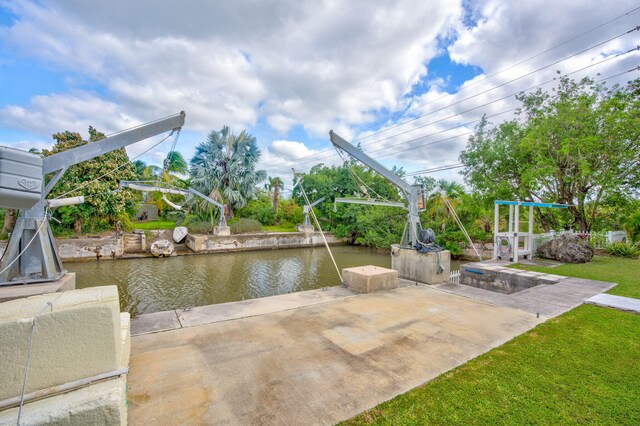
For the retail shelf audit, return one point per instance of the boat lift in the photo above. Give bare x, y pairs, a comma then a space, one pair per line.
507, 245
31, 255
145, 186
413, 193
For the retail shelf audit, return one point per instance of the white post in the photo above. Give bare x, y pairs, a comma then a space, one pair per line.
530, 237
496, 224
516, 238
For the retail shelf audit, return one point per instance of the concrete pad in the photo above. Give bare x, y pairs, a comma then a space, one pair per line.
264, 305
546, 300
315, 365
370, 278
103, 403
617, 302
154, 322
18, 291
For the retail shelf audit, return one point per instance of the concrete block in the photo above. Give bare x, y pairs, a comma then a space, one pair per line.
103, 403
77, 336
19, 291
125, 339
421, 267
307, 229
222, 230
367, 279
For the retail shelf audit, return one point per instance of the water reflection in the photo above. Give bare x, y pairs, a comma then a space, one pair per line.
152, 285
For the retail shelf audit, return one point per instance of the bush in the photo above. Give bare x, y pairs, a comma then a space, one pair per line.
623, 249
244, 225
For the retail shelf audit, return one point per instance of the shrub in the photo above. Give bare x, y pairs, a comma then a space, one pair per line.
623, 249
244, 225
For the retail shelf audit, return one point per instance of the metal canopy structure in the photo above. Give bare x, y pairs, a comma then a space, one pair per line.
512, 238
31, 255
412, 193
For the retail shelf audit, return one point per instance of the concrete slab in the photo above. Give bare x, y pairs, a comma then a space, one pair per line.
152, 323
264, 305
315, 365
547, 300
617, 302
19, 291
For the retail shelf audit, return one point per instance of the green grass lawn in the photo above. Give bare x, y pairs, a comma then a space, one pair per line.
624, 272
582, 367
154, 224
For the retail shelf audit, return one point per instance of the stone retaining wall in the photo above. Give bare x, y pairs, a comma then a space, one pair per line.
88, 249
245, 242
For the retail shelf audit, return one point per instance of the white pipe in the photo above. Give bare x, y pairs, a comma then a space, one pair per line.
65, 201
175, 206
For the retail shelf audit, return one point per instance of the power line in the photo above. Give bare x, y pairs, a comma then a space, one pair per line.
471, 132
499, 85
521, 62
467, 111
478, 94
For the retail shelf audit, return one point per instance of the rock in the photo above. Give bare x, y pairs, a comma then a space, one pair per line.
180, 233
162, 248
567, 248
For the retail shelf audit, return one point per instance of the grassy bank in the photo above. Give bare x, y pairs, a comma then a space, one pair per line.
579, 368
624, 272
154, 224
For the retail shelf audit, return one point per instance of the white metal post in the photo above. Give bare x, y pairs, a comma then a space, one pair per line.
496, 225
530, 236
516, 231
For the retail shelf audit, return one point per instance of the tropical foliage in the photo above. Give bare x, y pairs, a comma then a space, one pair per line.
579, 146
224, 167
97, 180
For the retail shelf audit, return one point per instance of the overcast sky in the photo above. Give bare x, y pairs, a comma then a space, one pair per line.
408, 79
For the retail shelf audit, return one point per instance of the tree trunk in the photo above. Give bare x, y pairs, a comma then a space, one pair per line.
7, 226
276, 197
77, 224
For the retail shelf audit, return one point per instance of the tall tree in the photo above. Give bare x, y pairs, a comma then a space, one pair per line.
224, 167
273, 186
96, 179
576, 146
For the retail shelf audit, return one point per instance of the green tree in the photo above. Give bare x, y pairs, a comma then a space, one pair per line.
96, 179
273, 185
576, 146
224, 167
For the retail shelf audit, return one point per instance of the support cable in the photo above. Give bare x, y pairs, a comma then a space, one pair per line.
118, 167
315, 219
44, 219
462, 228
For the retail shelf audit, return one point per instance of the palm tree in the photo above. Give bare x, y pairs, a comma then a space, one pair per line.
273, 186
438, 210
224, 165
175, 163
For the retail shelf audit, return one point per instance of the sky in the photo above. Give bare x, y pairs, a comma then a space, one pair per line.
406, 79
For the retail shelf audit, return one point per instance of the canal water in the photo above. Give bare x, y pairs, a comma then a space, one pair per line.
151, 285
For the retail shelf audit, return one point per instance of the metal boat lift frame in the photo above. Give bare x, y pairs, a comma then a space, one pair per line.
31, 255
413, 193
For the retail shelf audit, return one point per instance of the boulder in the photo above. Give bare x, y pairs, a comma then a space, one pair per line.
566, 248
180, 233
162, 248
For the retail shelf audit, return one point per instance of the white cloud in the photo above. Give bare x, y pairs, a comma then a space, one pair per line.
315, 64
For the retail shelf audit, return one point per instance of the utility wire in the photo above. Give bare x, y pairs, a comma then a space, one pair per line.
518, 63
482, 106
478, 94
500, 85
